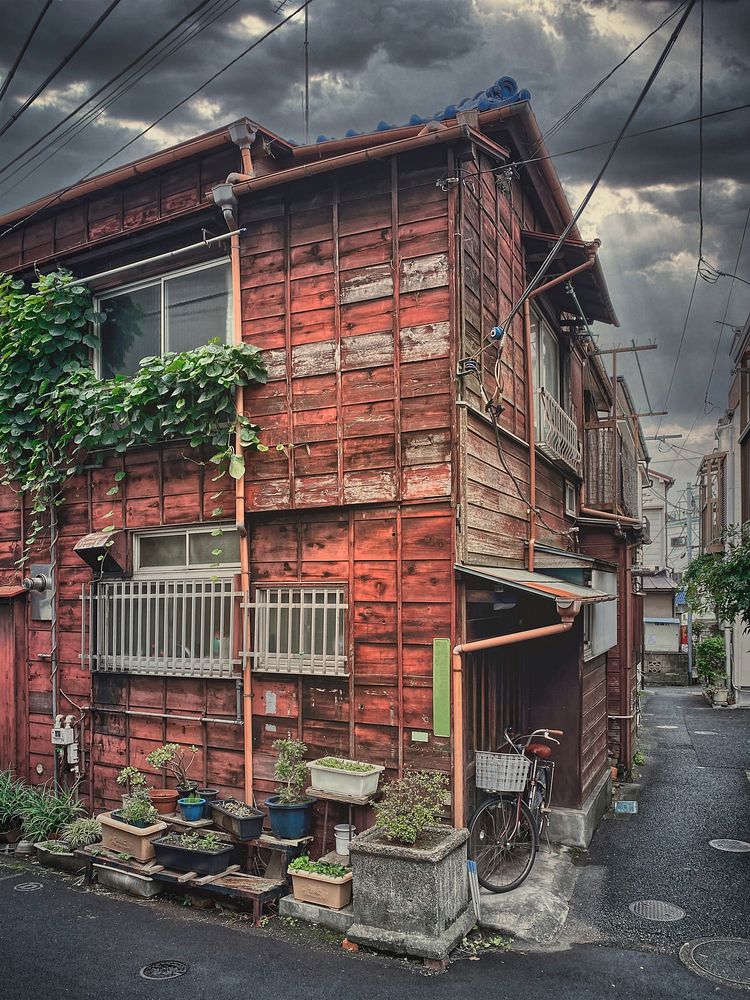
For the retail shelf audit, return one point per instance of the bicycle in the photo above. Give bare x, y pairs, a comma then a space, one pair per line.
504, 831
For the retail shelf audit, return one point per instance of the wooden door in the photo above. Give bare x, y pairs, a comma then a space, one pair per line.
13, 694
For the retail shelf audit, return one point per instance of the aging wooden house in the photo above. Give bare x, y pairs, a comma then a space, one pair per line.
401, 520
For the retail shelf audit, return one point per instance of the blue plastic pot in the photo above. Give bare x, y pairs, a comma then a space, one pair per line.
191, 811
290, 822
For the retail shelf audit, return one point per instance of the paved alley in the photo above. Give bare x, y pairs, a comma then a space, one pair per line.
695, 789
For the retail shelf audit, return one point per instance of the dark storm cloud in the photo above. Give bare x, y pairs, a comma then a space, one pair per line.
388, 60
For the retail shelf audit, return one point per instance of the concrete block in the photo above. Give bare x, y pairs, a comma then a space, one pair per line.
411, 900
130, 882
575, 827
334, 920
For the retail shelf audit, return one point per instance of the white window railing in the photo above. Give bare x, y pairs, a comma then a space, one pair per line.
558, 434
167, 627
299, 630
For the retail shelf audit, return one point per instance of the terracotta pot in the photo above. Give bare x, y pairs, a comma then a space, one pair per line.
165, 800
333, 893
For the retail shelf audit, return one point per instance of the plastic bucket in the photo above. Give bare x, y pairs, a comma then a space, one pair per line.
344, 833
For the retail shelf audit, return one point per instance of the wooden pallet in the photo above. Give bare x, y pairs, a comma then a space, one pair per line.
232, 882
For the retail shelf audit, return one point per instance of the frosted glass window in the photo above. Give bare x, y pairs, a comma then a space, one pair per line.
131, 331
197, 308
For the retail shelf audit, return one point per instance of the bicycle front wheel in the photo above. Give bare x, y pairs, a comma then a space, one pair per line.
503, 843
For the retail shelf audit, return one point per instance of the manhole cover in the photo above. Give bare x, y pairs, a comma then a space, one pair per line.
656, 909
722, 960
735, 846
164, 969
28, 886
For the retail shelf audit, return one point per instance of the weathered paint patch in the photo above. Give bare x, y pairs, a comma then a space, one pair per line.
424, 272
421, 343
374, 282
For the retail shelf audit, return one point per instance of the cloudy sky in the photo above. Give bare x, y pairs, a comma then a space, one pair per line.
378, 59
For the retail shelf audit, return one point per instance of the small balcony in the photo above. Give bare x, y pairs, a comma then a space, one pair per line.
557, 434
599, 473
712, 502
165, 627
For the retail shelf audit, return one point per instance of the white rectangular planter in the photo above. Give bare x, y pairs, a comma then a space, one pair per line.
339, 781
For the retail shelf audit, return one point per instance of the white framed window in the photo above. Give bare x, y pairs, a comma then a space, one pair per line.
176, 312
571, 499
300, 630
175, 551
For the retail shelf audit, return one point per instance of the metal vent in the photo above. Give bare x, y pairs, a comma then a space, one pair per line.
656, 909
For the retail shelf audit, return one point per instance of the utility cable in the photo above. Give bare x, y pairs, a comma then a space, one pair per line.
56, 197
17, 61
93, 114
45, 83
104, 87
537, 279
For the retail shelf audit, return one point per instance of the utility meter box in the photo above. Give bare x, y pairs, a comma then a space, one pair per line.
62, 737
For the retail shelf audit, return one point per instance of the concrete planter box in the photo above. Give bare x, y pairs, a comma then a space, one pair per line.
340, 781
334, 893
411, 900
133, 840
130, 882
63, 861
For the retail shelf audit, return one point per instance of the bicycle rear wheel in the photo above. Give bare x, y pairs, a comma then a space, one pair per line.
502, 843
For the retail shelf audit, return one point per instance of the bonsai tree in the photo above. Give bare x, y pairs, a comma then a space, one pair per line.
131, 777
710, 660
177, 761
290, 770
411, 804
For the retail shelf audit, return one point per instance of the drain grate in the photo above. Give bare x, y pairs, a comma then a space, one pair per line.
165, 968
735, 846
722, 960
28, 886
656, 909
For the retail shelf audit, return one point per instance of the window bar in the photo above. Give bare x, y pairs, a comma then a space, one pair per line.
83, 625
174, 604
313, 616
222, 604
147, 638
183, 660
301, 632
192, 634
213, 625
289, 625
325, 630
157, 623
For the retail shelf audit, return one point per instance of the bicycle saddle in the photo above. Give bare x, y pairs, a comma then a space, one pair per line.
540, 750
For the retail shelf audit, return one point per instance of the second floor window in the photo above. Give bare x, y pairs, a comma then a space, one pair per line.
174, 312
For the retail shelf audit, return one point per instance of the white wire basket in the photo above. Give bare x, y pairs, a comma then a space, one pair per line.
501, 772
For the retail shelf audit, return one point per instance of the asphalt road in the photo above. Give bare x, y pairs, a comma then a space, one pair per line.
64, 941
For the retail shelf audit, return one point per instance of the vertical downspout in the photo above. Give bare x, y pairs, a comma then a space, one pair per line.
531, 432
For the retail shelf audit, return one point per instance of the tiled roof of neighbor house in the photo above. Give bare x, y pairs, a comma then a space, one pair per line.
658, 581
504, 91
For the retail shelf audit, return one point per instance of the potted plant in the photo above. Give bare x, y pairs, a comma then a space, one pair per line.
191, 807
131, 829
202, 853
290, 810
241, 820
177, 761
321, 883
45, 811
12, 794
710, 661
131, 778
412, 890
345, 777
75, 835
210, 795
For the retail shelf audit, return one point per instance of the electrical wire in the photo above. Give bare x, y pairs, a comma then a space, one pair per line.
104, 87
22, 52
564, 119
56, 197
60, 66
551, 256
91, 116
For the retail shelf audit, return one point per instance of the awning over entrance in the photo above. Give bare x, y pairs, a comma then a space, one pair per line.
538, 584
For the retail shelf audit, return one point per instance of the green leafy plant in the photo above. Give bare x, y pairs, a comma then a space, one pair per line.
344, 765
54, 410
176, 760
639, 758
411, 804
81, 833
13, 793
290, 770
46, 810
304, 864
193, 798
720, 582
138, 810
710, 660
195, 841
131, 777
54, 846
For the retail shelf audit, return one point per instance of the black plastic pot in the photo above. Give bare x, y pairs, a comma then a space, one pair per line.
141, 824
184, 790
246, 828
210, 795
187, 859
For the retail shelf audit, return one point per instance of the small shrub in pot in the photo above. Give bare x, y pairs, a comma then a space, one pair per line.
290, 809
410, 805
138, 811
176, 760
321, 883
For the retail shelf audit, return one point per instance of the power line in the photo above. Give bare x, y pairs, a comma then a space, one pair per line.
56, 197
22, 52
536, 280
104, 87
93, 114
45, 83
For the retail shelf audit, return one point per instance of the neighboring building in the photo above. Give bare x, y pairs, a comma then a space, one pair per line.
394, 524
724, 494
678, 529
655, 553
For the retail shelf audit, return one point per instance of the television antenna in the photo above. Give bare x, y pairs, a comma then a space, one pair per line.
278, 7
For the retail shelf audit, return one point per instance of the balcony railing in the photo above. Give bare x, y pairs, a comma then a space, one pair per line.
600, 471
180, 628
558, 435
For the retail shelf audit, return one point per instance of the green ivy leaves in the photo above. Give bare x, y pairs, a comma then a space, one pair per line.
54, 410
